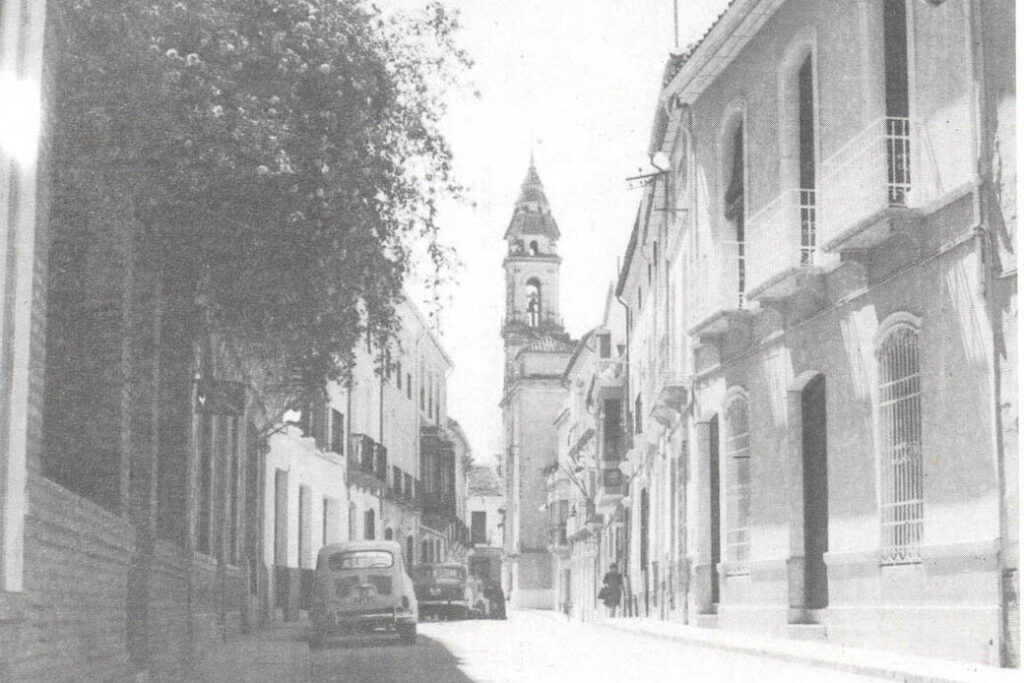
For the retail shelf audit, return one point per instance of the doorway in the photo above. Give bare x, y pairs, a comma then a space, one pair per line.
815, 468
715, 516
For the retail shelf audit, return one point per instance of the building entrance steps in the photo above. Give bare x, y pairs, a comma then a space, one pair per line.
278, 653
877, 663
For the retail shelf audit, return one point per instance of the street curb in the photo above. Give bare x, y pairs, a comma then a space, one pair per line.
907, 674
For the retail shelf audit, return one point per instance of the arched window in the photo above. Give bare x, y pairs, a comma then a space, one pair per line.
897, 100
533, 302
389, 534
798, 151
737, 462
735, 204
899, 430
534, 249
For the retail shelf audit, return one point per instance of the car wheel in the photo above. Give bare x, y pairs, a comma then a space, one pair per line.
407, 632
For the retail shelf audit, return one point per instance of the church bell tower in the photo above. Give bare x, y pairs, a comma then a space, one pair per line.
531, 271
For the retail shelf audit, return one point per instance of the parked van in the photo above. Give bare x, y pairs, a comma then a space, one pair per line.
362, 587
441, 590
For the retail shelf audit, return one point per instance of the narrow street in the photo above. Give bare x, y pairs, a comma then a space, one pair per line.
385, 660
541, 647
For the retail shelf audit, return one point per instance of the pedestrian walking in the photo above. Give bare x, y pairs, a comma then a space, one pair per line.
611, 590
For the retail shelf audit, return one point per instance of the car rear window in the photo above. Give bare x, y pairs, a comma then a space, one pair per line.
361, 559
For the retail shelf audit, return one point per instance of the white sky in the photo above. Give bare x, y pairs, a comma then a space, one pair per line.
579, 79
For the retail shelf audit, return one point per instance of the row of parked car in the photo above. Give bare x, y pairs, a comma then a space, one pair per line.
363, 586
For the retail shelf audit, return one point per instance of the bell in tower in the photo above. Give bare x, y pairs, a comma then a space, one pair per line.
532, 263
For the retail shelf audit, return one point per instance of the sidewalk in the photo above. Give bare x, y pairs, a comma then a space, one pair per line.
878, 663
277, 654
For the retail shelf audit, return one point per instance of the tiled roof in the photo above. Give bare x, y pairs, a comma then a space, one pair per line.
483, 482
548, 344
676, 61
532, 214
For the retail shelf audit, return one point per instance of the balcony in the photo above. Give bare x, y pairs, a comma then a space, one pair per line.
611, 488
876, 185
584, 522
558, 541
367, 463
784, 258
719, 308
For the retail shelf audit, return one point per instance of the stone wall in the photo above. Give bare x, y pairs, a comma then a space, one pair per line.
72, 621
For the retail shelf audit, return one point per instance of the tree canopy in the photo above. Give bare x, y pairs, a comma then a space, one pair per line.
285, 153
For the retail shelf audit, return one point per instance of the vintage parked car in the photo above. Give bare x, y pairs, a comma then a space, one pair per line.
441, 590
362, 587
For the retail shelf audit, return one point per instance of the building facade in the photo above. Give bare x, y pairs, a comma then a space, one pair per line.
821, 289
485, 510
536, 350
586, 485
377, 459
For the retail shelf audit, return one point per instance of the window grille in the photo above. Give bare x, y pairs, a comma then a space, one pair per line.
737, 452
808, 229
902, 504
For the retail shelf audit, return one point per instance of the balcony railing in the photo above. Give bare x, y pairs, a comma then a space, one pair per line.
367, 461
722, 275
888, 165
783, 236
360, 453
541, 319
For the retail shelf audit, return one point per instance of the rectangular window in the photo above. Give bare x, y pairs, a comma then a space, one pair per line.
280, 517
233, 485
645, 513
408, 385
396, 481
205, 483
604, 345
478, 527
611, 430
369, 526
398, 374
337, 432
423, 389
737, 453
325, 521
302, 526
407, 487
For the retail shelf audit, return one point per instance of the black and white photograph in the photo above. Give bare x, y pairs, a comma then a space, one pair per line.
509, 341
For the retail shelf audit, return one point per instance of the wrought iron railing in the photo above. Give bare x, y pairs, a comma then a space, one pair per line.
782, 236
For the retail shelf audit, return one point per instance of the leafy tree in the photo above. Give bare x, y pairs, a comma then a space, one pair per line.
284, 157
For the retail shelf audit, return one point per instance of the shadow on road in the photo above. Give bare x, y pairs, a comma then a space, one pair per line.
372, 659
